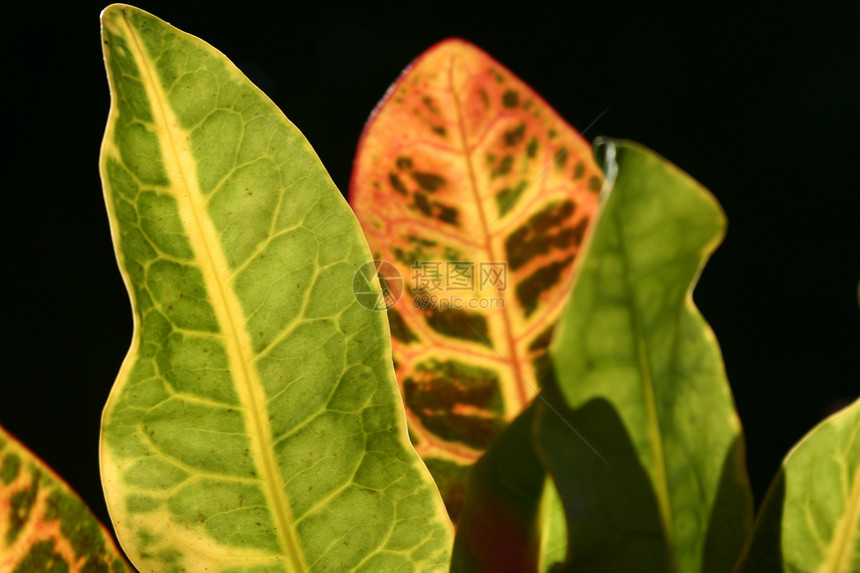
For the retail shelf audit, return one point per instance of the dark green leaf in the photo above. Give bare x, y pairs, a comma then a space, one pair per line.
656, 478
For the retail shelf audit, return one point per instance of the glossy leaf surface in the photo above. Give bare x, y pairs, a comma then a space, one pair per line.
646, 450
479, 193
44, 525
255, 424
810, 518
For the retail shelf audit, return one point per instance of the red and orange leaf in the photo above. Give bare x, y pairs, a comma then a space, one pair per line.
480, 194
44, 525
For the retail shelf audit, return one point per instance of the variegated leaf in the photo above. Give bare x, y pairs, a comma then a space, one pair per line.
480, 194
44, 525
255, 425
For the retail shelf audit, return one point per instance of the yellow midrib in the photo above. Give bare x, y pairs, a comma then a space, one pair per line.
841, 556
523, 394
181, 169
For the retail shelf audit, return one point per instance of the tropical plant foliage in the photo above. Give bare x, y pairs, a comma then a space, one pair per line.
257, 425
44, 525
480, 194
810, 519
653, 457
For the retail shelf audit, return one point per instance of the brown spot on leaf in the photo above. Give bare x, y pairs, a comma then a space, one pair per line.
399, 329
532, 147
457, 323
543, 279
447, 214
428, 181
541, 341
560, 158
510, 99
422, 203
438, 388
403, 162
515, 135
541, 233
435, 209
504, 166
430, 104
397, 184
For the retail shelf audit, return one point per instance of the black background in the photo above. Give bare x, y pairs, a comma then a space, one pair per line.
758, 101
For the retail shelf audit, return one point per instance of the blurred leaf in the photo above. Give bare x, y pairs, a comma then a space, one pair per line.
553, 536
512, 519
479, 193
499, 526
44, 525
810, 518
645, 447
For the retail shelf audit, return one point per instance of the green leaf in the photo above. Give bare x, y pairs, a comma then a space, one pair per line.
255, 424
553, 527
499, 527
44, 525
647, 454
810, 518
512, 519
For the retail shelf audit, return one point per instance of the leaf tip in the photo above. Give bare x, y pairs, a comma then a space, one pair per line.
454, 46
605, 153
111, 9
